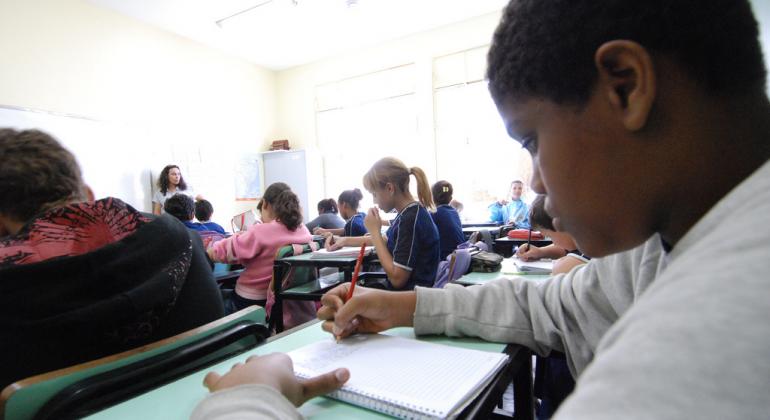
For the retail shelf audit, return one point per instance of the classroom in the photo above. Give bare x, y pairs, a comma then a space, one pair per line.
373, 209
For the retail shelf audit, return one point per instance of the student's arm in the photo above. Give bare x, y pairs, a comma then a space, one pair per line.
322, 231
156, 208
236, 248
533, 253
566, 264
496, 213
263, 388
397, 275
567, 313
334, 243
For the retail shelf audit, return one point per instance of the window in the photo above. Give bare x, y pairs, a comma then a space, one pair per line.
363, 119
473, 150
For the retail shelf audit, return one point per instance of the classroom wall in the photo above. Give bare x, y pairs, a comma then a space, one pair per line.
296, 86
197, 106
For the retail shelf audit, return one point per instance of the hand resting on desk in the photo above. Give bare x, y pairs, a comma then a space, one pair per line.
368, 311
277, 370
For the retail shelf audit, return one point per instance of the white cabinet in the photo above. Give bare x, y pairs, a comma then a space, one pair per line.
293, 167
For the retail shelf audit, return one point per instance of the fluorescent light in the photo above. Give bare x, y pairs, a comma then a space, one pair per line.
221, 22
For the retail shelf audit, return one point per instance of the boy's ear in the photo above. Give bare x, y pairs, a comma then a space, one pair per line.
627, 78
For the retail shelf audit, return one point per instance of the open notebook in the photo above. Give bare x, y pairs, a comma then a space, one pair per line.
345, 251
402, 377
534, 267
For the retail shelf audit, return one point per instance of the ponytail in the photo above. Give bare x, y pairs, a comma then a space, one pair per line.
285, 205
423, 188
392, 170
286, 209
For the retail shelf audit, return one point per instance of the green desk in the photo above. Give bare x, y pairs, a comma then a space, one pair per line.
313, 290
345, 264
177, 399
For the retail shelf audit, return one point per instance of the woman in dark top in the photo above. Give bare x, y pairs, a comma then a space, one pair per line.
82, 279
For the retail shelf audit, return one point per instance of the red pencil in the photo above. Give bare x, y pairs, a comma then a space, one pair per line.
356, 271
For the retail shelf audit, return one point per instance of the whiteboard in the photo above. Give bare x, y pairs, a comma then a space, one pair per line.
112, 156
289, 167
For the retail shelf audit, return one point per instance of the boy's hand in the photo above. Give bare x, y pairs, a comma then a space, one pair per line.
529, 253
368, 311
372, 221
334, 243
277, 370
319, 231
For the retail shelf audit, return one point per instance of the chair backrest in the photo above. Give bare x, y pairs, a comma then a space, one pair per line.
295, 275
286, 277
121, 376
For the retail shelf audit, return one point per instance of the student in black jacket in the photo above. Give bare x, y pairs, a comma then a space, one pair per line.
82, 278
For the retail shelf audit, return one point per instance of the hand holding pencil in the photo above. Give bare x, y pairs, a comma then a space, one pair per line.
348, 310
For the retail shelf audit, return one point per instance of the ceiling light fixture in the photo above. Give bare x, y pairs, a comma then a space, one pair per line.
221, 22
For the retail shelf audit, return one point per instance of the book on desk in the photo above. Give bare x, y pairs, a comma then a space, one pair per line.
401, 377
544, 266
344, 252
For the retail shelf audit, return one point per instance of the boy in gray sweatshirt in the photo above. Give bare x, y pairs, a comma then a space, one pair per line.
649, 130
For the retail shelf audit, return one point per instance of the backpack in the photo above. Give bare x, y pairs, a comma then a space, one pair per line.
456, 265
486, 262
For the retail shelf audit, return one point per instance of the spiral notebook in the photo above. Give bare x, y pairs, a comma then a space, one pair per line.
402, 377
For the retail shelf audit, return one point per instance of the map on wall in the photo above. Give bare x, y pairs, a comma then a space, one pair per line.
248, 185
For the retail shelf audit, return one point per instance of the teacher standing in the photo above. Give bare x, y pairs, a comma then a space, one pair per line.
170, 182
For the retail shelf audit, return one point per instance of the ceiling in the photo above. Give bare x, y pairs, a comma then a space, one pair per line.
279, 34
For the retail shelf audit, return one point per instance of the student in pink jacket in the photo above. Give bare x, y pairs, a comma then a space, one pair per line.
256, 248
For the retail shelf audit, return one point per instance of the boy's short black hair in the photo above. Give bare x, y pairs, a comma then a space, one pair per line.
545, 48
203, 210
180, 206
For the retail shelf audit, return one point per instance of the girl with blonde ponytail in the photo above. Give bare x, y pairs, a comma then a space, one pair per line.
409, 252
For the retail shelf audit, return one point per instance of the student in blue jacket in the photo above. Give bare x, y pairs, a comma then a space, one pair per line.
511, 212
203, 212
447, 219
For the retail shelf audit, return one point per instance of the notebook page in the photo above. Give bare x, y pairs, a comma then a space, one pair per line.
410, 372
541, 265
346, 251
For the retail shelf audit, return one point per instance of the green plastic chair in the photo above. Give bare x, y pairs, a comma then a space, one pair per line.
82, 389
286, 277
